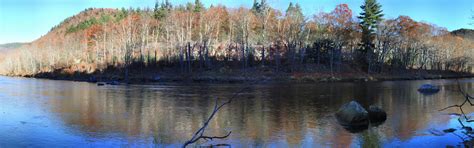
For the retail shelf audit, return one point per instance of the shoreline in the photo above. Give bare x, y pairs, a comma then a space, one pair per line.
248, 78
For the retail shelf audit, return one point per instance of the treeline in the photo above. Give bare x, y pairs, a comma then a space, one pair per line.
193, 38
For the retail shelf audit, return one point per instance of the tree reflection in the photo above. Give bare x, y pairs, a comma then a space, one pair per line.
280, 114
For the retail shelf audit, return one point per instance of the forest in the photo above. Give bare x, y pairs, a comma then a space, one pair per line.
191, 39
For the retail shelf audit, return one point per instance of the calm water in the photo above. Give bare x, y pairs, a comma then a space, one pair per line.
44, 113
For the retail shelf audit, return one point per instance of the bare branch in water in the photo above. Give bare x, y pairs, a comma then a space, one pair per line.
466, 100
200, 133
467, 131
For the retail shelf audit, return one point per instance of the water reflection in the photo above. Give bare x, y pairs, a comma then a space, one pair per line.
268, 115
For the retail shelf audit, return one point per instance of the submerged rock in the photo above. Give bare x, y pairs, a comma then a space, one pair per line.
428, 89
376, 115
449, 130
467, 128
352, 115
113, 83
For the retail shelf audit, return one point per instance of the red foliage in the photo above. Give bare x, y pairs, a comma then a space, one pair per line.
342, 13
92, 33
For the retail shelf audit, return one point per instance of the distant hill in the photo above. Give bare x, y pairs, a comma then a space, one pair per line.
464, 33
11, 45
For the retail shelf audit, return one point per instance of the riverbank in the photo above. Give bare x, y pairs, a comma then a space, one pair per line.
244, 76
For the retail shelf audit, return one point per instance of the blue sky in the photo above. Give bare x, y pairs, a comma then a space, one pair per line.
27, 20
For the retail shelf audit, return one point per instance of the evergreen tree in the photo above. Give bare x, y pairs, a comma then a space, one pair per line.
260, 8
255, 6
198, 6
168, 5
297, 10
157, 6
161, 11
370, 17
294, 11
290, 8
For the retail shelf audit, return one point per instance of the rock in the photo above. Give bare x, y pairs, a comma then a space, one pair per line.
100, 84
428, 89
376, 115
113, 83
467, 128
449, 130
352, 114
92, 80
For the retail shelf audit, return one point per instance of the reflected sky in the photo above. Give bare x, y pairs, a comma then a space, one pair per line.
47, 113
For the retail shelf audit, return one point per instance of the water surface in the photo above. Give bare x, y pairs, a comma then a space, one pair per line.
44, 113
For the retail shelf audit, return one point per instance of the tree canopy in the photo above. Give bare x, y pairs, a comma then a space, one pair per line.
192, 37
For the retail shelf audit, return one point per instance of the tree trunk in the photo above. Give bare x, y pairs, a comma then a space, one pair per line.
263, 56
189, 57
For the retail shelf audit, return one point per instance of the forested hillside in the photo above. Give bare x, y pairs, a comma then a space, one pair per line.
192, 39
10, 46
464, 33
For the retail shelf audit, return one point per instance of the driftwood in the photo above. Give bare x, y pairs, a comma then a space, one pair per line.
200, 133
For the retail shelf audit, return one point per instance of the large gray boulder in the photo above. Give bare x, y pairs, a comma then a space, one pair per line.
352, 114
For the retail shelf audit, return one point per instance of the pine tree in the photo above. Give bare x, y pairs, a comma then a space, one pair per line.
168, 5
161, 11
290, 8
157, 6
198, 6
256, 6
370, 17
298, 10
294, 11
260, 8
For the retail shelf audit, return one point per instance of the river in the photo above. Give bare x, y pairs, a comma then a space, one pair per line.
51, 113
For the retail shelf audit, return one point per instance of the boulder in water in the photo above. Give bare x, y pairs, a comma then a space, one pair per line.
428, 89
449, 130
113, 83
352, 114
376, 115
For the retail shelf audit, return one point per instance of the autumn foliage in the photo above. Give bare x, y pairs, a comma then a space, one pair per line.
187, 37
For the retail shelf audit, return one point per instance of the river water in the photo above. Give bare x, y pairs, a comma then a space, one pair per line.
48, 113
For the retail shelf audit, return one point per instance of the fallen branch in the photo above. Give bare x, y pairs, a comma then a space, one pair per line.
466, 100
200, 133
468, 135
